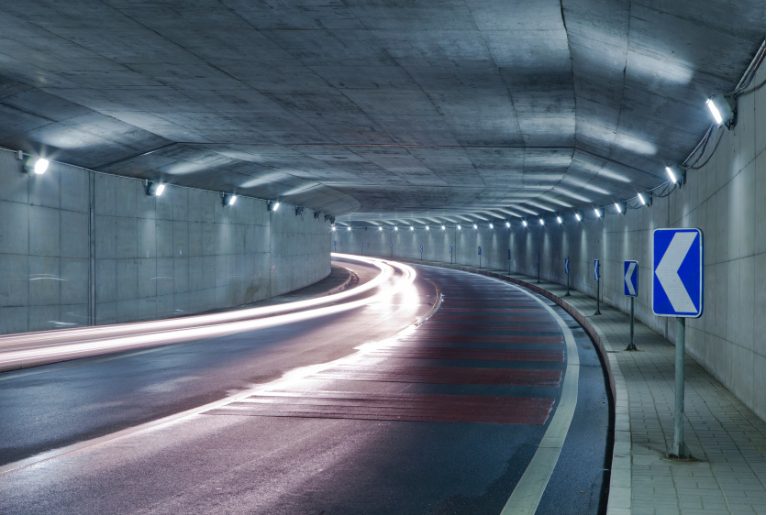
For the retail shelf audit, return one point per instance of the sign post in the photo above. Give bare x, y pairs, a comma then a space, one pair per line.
451, 254
566, 271
538, 268
421, 250
677, 291
479, 253
631, 290
335, 245
597, 276
509, 261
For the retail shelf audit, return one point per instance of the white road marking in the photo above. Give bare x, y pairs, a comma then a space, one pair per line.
526, 497
284, 382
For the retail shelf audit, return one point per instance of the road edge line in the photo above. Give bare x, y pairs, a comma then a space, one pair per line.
528, 493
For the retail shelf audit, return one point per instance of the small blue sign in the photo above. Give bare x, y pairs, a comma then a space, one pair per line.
677, 272
566, 266
630, 278
479, 250
597, 270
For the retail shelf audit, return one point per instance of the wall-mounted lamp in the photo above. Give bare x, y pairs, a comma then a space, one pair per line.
154, 189
722, 110
273, 205
675, 174
229, 199
36, 165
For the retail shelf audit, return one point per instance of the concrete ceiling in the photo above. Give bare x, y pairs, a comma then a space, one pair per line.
375, 109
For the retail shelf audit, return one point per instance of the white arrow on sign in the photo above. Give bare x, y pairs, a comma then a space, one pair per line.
627, 278
668, 272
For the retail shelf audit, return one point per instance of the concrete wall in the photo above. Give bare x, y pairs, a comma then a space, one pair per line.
726, 199
147, 257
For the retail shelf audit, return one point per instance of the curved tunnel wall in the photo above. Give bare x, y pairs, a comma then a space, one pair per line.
726, 199
80, 247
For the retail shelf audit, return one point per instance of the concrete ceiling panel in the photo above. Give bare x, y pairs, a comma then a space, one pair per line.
377, 108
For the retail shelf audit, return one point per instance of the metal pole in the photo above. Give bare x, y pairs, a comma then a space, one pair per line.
631, 344
538, 268
598, 282
567, 295
679, 449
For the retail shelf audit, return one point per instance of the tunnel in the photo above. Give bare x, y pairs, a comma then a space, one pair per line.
382, 257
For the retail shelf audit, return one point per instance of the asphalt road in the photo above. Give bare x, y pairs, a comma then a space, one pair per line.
444, 418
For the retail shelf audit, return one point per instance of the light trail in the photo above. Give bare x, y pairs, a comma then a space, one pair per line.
69, 343
112, 330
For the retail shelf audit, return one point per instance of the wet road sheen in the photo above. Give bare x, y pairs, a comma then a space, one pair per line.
443, 418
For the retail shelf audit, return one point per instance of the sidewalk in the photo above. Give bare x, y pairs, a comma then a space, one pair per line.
725, 437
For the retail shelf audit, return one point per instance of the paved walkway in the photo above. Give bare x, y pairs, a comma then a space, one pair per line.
725, 437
